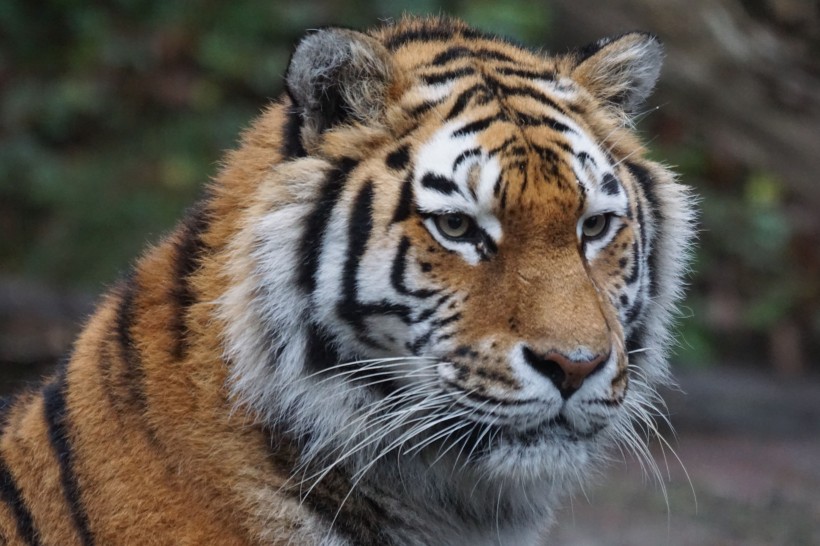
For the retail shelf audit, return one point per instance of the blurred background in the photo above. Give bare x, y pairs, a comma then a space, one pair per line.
114, 112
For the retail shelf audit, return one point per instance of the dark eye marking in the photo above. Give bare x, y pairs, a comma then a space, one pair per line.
610, 185
439, 183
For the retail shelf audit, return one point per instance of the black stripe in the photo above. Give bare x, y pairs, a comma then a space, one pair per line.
634, 312
359, 228
502, 147
292, 147
438, 33
636, 251
349, 308
610, 185
463, 156
585, 158
460, 52
419, 35
447, 320
647, 185
398, 270
523, 91
476, 126
451, 54
133, 376
439, 183
397, 159
56, 416
527, 74
189, 250
497, 185
405, 204
315, 224
442, 77
464, 99
13, 497
549, 157
421, 109
539, 121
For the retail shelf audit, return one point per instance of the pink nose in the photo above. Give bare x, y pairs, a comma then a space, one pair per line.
566, 374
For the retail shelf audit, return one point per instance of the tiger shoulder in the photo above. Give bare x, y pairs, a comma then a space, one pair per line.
423, 300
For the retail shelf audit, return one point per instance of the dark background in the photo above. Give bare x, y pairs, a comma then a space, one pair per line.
114, 113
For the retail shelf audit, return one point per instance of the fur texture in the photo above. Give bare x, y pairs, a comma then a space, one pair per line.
422, 300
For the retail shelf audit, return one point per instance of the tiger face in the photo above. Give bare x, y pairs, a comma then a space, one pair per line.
429, 289
480, 254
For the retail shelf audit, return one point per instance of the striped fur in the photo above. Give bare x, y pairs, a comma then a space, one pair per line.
371, 328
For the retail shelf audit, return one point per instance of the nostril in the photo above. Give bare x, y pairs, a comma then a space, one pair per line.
566, 374
550, 369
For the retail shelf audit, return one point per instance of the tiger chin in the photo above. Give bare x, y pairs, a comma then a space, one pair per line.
423, 299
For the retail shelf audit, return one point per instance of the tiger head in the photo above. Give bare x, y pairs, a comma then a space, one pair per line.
455, 249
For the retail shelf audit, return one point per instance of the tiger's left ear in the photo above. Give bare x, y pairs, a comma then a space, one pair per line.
337, 76
620, 71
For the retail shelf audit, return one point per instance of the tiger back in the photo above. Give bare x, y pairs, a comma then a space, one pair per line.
423, 299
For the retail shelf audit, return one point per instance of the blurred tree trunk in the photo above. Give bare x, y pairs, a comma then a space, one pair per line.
744, 73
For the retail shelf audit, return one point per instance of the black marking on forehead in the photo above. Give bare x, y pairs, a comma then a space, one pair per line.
464, 97
434, 79
528, 74
536, 121
548, 156
439, 183
477, 125
459, 52
432, 34
465, 155
610, 185
503, 146
523, 91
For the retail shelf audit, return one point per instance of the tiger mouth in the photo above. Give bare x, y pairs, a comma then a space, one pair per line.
487, 438
556, 428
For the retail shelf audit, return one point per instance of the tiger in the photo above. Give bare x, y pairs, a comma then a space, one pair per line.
423, 299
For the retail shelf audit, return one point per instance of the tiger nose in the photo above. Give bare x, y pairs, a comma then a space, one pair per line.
565, 373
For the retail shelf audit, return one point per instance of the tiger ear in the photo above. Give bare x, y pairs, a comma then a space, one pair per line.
620, 71
336, 76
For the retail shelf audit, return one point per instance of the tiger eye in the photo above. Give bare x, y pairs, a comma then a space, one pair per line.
595, 226
454, 225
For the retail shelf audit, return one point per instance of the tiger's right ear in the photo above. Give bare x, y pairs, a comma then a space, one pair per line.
337, 76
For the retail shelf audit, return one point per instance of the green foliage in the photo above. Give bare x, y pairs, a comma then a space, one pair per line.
113, 114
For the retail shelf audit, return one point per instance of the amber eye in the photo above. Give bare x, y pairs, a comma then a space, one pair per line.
595, 226
454, 225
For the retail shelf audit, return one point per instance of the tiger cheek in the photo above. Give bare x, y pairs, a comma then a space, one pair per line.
614, 266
